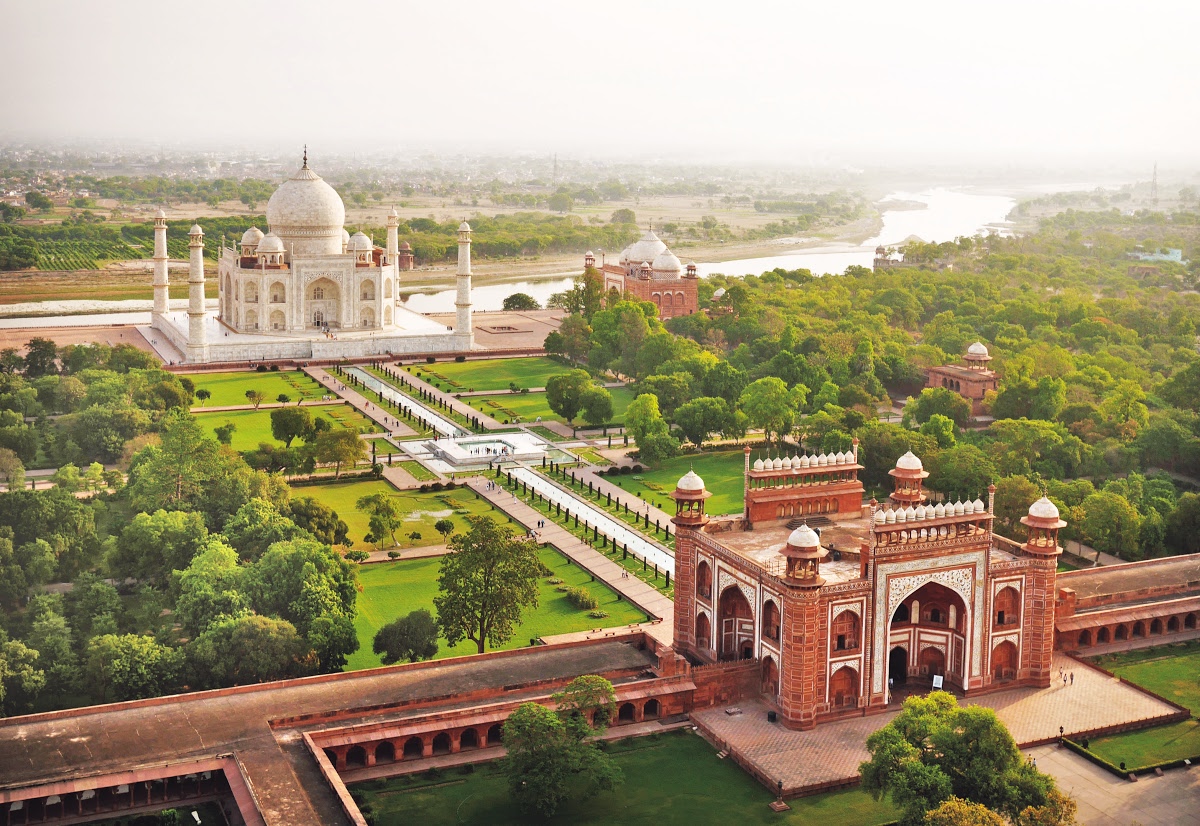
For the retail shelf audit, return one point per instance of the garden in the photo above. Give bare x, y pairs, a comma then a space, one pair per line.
254, 426
529, 406
721, 471
489, 374
1169, 671
229, 389
421, 510
670, 778
393, 589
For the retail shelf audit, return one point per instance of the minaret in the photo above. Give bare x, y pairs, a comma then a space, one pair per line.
162, 302
462, 324
393, 236
197, 347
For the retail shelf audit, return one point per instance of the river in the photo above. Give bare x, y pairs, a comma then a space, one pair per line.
948, 214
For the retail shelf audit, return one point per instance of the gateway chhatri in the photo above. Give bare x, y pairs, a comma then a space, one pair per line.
306, 288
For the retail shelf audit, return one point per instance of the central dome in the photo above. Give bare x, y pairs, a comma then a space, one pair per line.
645, 249
307, 214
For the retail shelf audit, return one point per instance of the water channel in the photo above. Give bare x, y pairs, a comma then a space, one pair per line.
439, 423
608, 526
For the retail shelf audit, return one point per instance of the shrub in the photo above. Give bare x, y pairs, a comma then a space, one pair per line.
430, 359
524, 389
554, 581
626, 470
597, 614
460, 359
424, 488
638, 469
437, 486
262, 368
544, 569
274, 368
582, 599
451, 485
562, 589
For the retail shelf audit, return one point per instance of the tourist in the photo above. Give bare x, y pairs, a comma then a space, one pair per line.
1072, 678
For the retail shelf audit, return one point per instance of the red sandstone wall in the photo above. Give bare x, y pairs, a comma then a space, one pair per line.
720, 684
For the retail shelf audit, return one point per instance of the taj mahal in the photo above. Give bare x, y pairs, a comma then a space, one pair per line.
306, 288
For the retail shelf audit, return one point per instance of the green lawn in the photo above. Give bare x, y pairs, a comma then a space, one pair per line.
421, 510
230, 388
721, 471
489, 374
393, 589
672, 778
254, 426
418, 471
528, 406
1169, 671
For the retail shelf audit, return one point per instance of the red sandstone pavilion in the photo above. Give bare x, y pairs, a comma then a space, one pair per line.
648, 271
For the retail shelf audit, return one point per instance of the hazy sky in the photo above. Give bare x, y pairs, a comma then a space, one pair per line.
845, 81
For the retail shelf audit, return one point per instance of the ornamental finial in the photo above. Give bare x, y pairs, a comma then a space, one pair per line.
305, 157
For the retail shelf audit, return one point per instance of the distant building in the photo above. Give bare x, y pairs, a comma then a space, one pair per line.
883, 261
971, 382
648, 271
1170, 255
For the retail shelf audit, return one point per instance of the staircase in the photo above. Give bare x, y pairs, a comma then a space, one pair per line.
813, 521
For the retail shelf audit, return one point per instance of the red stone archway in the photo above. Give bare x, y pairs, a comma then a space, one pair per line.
1004, 661
736, 625
770, 677
843, 688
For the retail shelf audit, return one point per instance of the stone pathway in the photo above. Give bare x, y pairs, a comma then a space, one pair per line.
380, 415
588, 474
832, 751
1107, 800
631, 588
462, 409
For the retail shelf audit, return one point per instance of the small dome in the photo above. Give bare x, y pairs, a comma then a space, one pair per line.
920, 511
392, 213
901, 515
464, 227
160, 214
758, 464
880, 517
804, 537
667, 264
939, 511
407, 247
910, 513
968, 507
787, 462
360, 243
252, 236
690, 482
195, 230
719, 292
1043, 509
804, 461
270, 243
977, 349
979, 506
345, 236
909, 461
891, 517
959, 509
841, 458
777, 464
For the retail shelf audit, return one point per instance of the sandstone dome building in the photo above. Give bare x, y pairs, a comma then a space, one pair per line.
647, 270
305, 288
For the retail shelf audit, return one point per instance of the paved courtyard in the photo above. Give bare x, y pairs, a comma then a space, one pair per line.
832, 752
1107, 800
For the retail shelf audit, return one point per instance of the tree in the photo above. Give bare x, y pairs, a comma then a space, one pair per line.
413, 637
597, 406
574, 338
320, 520
1014, 495
958, 812
283, 398
21, 678
485, 583
153, 545
623, 216
767, 404
1183, 388
37, 200
1111, 525
314, 588
548, 759
290, 423
725, 381
255, 398
224, 432
385, 517
41, 355
961, 470
257, 526
12, 471
648, 428
934, 750
247, 649
937, 401
700, 417
445, 527
130, 667
588, 704
942, 429
339, 447
211, 587
67, 477
50, 636
520, 301
561, 202
203, 395
670, 390
565, 392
